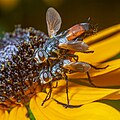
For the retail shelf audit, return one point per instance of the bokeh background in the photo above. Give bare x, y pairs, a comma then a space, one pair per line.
31, 13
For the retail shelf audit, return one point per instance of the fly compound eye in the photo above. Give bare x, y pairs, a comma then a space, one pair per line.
45, 76
93, 29
40, 56
86, 26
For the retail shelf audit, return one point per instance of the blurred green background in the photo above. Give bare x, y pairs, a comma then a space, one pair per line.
31, 13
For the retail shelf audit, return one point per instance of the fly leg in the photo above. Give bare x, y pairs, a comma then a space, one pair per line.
75, 57
96, 68
48, 94
66, 78
88, 51
89, 79
56, 85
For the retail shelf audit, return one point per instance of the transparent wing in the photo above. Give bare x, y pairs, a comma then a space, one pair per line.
76, 46
53, 20
77, 66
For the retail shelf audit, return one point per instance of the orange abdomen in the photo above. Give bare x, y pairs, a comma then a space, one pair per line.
75, 31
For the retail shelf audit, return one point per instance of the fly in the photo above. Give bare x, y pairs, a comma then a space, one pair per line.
68, 40
58, 50
59, 70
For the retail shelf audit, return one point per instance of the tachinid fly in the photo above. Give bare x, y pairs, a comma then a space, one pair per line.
71, 39
30, 59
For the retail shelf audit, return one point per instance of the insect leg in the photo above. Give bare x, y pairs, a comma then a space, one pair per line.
66, 78
88, 51
65, 105
56, 85
75, 57
48, 94
89, 79
97, 67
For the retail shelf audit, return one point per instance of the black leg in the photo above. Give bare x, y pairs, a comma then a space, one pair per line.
88, 52
90, 81
48, 94
98, 68
75, 57
56, 85
69, 106
65, 76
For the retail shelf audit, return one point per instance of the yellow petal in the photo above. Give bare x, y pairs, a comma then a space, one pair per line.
3, 115
101, 35
41, 112
13, 113
35, 108
18, 113
114, 96
108, 79
98, 111
103, 50
79, 94
113, 65
53, 111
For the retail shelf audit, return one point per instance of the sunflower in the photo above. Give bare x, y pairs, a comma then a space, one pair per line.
85, 100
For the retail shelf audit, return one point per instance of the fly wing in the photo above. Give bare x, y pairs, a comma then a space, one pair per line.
77, 66
53, 20
76, 46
